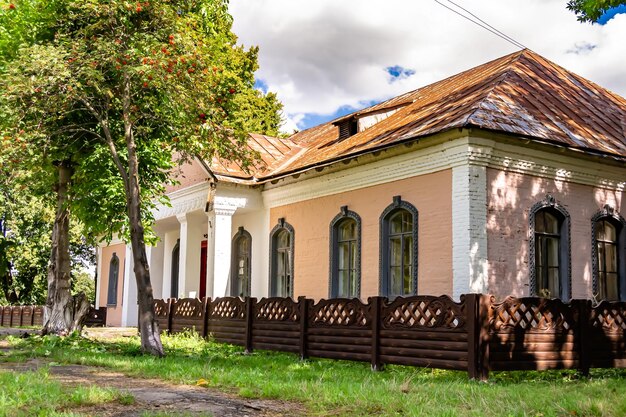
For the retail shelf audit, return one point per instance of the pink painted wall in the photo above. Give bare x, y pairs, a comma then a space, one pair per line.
432, 196
114, 313
510, 197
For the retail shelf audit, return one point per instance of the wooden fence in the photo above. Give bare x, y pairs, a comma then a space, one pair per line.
19, 316
475, 335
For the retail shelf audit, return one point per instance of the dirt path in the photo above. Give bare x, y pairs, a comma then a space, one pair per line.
153, 395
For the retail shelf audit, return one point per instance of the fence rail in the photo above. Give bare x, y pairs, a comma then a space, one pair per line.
476, 334
19, 316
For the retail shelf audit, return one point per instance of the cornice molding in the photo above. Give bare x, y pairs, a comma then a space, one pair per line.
464, 150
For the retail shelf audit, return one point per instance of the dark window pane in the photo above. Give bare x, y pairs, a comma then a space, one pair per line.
395, 251
612, 287
552, 224
395, 273
347, 230
408, 250
395, 224
609, 232
407, 222
406, 281
552, 251
540, 222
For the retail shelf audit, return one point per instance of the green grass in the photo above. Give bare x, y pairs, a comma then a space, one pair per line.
343, 388
35, 394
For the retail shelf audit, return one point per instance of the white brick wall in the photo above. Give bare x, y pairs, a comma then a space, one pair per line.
469, 237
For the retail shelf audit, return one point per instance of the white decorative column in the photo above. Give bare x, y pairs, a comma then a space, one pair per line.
182, 260
469, 215
98, 275
129, 295
210, 253
223, 233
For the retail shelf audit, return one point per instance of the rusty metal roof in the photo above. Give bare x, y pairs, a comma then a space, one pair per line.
520, 94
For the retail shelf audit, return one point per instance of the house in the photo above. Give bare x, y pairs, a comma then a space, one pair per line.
507, 178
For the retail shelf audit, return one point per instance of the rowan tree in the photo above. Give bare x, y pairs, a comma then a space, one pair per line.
137, 82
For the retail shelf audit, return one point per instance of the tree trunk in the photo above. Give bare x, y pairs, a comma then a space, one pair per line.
63, 313
148, 326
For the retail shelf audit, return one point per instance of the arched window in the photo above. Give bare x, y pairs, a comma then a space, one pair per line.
114, 270
549, 258
345, 255
281, 259
240, 282
398, 249
609, 250
175, 270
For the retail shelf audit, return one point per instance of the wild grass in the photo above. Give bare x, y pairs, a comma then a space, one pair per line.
33, 393
341, 388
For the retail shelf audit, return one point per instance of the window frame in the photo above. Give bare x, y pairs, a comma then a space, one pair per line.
608, 213
333, 273
282, 225
384, 261
565, 264
112, 285
234, 267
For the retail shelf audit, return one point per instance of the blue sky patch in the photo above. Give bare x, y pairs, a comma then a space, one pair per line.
399, 73
314, 119
610, 14
260, 84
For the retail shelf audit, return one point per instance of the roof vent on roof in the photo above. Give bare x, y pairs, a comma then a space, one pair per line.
347, 128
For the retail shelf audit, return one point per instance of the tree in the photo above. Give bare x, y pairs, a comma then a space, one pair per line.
29, 23
143, 82
592, 10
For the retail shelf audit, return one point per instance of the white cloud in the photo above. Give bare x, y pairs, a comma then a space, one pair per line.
323, 54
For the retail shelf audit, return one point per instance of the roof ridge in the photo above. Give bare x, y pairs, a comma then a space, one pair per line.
502, 78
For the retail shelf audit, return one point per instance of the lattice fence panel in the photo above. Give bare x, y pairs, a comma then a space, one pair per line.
609, 316
188, 308
425, 312
228, 308
161, 308
340, 312
532, 313
277, 309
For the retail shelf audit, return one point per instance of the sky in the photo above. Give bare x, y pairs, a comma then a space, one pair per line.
327, 58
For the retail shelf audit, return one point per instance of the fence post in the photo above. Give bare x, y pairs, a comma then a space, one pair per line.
21, 316
250, 303
32, 315
584, 334
206, 305
170, 314
477, 310
303, 305
376, 309
11, 316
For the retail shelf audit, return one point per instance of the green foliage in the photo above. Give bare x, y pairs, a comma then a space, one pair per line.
342, 388
592, 10
169, 74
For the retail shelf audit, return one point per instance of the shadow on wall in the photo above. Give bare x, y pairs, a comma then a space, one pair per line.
511, 195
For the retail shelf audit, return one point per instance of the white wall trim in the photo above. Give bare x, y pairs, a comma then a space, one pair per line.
184, 201
439, 156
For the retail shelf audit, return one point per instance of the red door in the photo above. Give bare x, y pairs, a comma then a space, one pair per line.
203, 254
